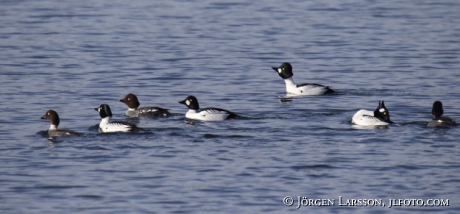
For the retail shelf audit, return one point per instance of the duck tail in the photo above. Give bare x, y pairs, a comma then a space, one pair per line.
329, 90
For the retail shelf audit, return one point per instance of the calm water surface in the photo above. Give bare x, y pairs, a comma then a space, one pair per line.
72, 56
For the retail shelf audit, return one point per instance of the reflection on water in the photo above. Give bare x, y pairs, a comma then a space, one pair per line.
368, 127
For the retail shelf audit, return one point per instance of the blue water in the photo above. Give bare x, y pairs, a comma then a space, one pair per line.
72, 56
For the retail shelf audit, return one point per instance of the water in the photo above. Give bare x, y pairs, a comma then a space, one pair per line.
72, 56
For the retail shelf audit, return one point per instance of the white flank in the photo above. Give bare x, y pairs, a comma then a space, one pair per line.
366, 118
207, 115
106, 126
292, 88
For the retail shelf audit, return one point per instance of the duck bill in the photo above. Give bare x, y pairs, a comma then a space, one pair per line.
121, 100
275, 68
182, 102
96, 109
43, 117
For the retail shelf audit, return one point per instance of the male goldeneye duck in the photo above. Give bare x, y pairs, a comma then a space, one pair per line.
53, 117
439, 120
285, 72
205, 114
379, 117
133, 111
116, 126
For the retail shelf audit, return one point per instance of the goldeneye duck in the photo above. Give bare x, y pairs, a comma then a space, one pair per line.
439, 120
379, 117
285, 72
53, 117
133, 111
117, 126
205, 114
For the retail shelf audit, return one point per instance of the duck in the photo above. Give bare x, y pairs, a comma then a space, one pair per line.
117, 126
205, 114
134, 111
285, 72
379, 117
53, 131
439, 120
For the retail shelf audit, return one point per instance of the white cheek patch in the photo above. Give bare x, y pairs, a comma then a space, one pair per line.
187, 102
279, 70
382, 110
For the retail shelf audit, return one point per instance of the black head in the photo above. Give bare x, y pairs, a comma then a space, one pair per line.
285, 70
104, 111
382, 112
191, 102
131, 101
52, 116
437, 110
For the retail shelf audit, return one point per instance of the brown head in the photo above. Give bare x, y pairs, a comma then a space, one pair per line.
52, 116
131, 101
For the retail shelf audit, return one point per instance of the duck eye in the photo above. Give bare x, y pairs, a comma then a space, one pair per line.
282, 69
48, 113
129, 98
